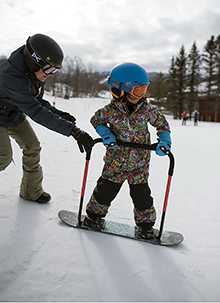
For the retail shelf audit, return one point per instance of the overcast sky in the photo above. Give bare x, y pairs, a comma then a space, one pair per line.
106, 32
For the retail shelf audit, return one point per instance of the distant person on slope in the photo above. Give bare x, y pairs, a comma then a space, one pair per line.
126, 118
196, 116
22, 79
184, 117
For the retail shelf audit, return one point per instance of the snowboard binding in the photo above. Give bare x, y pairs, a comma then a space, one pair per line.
97, 224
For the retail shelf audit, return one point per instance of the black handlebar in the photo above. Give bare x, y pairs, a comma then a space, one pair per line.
142, 146
129, 144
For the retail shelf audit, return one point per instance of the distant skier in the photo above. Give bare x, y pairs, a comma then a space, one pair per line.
126, 118
196, 116
22, 79
184, 117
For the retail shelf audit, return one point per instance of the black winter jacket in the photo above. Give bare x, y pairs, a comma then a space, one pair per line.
18, 97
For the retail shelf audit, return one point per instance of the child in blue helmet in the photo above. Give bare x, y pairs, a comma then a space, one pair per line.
126, 118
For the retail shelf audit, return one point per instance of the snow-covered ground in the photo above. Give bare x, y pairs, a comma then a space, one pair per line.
42, 259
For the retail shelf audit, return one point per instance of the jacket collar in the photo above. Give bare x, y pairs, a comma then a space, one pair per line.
122, 107
16, 59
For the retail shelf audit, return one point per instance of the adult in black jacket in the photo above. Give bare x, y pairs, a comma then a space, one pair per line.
22, 79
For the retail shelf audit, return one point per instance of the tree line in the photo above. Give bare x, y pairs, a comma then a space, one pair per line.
180, 89
176, 91
75, 79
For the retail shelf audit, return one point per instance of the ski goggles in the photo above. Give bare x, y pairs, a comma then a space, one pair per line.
138, 91
49, 70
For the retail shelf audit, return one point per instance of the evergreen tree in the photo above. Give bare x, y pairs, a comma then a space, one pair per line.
172, 89
209, 65
194, 62
217, 61
158, 90
181, 61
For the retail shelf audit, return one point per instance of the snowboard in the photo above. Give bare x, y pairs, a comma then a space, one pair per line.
168, 238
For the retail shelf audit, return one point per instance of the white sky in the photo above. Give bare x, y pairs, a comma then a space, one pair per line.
106, 32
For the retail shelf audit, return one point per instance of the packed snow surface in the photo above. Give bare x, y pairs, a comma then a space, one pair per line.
42, 259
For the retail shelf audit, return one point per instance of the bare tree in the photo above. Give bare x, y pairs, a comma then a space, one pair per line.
2, 59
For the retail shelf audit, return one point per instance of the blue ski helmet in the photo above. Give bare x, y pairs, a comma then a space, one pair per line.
128, 77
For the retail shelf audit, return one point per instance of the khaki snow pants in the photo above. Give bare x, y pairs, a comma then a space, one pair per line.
24, 135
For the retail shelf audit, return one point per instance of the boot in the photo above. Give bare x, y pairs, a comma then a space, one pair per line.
44, 198
145, 230
96, 223
145, 233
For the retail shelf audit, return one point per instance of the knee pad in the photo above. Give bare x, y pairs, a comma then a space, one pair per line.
106, 191
141, 196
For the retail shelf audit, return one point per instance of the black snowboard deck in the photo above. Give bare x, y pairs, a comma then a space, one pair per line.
168, 238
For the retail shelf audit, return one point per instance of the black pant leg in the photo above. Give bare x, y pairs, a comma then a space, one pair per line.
141, 196
103, 194
106, 191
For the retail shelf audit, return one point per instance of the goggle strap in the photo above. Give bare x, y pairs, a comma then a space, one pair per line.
119, 85
34, 55
115, 95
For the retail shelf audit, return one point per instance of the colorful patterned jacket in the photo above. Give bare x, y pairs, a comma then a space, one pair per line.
129, 128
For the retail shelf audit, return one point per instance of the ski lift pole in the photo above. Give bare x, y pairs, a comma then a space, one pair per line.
88, 156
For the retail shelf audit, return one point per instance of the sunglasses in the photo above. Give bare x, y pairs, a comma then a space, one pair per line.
49, 70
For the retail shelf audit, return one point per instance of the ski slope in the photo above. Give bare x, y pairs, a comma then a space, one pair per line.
42, 259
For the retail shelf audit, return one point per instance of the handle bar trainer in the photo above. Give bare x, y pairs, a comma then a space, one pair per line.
132, 145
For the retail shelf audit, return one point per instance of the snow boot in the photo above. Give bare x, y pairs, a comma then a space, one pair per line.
145, 233
44, 198
94, 223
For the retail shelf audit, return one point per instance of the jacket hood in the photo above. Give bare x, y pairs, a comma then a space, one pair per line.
16, 59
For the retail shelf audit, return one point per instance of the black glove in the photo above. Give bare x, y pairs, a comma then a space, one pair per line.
68, 117
84, 140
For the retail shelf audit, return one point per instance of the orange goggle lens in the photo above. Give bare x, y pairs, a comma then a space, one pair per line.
139, 91
136, 91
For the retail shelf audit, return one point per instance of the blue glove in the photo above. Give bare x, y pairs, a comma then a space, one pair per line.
165, 142
108, 138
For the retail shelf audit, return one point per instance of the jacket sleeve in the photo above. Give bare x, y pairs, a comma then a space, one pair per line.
18, 91
158, 120
101, 116
47, 104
